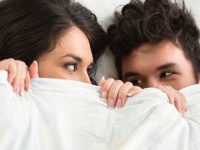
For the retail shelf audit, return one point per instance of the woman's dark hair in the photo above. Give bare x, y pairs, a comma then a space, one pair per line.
153, 21
30, 28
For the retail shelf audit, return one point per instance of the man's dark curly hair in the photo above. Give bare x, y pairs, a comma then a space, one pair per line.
153, 21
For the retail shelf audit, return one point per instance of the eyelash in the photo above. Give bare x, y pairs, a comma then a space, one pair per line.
163, 75
66, 66
139, 82
136, 82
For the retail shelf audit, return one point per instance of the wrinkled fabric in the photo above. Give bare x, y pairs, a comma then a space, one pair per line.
68, 115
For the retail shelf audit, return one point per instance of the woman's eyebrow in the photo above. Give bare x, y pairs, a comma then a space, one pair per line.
79, 59
130, 74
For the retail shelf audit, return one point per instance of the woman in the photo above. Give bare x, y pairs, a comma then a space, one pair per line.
63, 37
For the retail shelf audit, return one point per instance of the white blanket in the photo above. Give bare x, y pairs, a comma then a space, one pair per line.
68, 115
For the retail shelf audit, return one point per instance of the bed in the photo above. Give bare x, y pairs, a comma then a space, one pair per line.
69, 115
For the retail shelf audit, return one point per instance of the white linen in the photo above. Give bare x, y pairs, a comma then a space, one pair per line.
67, 115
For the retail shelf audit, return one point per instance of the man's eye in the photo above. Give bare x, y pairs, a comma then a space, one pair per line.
71, 67
137, 82
90, 70
165, 74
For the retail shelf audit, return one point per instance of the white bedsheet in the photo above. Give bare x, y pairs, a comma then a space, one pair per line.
66, 115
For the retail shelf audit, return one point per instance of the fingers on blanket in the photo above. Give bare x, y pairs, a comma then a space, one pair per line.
18, 74
176, 98
116, 92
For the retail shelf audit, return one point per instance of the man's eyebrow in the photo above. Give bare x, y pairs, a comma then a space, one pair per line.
130, 74
166, 66
162, 67
79, 59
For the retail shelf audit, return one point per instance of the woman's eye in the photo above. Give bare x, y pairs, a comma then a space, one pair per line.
71, 67
166, 74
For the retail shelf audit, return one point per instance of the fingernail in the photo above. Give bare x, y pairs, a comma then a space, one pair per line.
29, 86
102, 78
35, 62
130, 93
16, 90
119, 103
183, 113
104, 94
111, 104
22, 92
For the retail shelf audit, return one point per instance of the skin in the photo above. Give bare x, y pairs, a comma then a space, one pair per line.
162, 66
165, 64
71, 59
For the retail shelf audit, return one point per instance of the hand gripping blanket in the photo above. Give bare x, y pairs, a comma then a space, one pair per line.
68, 115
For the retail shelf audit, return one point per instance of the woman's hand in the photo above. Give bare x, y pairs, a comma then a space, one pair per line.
116, 92
19, 75
175, 97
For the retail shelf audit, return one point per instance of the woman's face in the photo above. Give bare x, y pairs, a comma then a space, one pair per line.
71, 59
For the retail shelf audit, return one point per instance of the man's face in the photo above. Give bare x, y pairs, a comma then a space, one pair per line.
159, 64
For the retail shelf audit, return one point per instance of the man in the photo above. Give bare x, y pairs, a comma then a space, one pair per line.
156, 44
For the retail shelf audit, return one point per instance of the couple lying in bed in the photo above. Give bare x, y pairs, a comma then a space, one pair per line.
150, 41
62, 39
